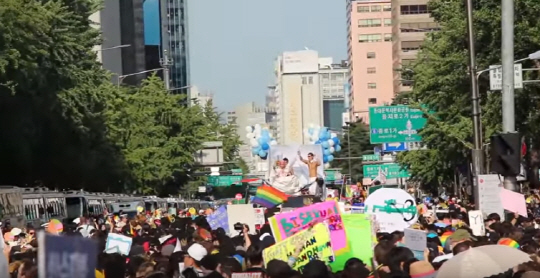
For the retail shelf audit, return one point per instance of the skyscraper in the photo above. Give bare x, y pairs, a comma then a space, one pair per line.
332, 79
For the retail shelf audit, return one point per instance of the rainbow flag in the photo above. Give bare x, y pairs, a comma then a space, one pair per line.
508, 242
269, 197
444, 237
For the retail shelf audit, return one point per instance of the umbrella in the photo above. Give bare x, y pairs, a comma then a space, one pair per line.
483, 261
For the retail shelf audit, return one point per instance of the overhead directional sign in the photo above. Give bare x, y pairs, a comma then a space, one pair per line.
224, 180
371, 157
391, 124
390, 170
394, 147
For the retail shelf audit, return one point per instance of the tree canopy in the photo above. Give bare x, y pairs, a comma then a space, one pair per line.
442, 84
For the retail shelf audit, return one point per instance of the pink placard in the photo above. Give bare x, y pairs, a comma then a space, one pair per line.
287, 224
513, 201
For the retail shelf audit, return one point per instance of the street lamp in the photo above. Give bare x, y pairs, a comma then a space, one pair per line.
121, 77
113, 47
532, 56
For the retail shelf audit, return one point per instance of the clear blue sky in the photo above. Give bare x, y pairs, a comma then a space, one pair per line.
233, 43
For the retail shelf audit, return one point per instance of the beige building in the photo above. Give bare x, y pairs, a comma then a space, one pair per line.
411, 22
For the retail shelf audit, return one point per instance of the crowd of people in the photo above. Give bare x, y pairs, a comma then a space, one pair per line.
185, 246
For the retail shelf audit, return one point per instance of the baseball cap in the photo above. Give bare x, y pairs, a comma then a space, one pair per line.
461, 235
197, 252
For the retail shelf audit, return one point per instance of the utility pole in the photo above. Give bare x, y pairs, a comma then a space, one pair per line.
166, 63
476, 154
507, 53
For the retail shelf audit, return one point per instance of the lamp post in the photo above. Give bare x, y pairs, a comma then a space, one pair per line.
348, 127
121, 77
113, 47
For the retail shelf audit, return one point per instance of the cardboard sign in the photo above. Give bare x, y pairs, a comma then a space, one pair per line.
476, 221
243, 214
415, 240
361, 243
117, 243
62, 256
513, 201
247, 275
287, 224
219, 219
395, 209
315, 246
259, 216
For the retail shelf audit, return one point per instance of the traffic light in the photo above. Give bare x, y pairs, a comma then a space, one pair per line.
506, 154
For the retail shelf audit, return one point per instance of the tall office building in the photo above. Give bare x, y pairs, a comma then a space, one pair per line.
299, 97
411, 23
247, 114
370, 55
121, 23
166, 40
333, 78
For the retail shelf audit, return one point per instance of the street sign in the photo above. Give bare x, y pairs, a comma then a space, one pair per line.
391, 171
395, 147
495, 77
390, 124
224, 180
371, 157
236, 172
332, 175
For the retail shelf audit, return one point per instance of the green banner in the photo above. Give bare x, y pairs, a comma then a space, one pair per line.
332, 175
395, 124
359, 238
390, 170
224, 180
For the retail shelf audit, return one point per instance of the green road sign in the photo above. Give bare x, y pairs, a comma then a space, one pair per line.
391, 170
395, 124
371, 157
332, 175
236, 171
224, 180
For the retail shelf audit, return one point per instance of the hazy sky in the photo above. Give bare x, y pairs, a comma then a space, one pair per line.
233, 43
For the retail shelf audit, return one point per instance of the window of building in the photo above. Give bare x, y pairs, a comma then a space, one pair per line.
410, 45
419, 27
374, 22
304, 80
370, 38
310, 80
362, 9
407, 62
376, 8
414, 9
371, 55
387, 8
372, 100
371, 70
372, 85
387, 22
387, 37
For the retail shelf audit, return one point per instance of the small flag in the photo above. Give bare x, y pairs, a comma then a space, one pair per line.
508, 242
269, 197
444, 237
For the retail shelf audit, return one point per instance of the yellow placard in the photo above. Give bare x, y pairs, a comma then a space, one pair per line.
192, 211
315, 246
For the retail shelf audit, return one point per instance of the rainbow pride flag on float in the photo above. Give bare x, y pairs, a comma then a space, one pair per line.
269, 197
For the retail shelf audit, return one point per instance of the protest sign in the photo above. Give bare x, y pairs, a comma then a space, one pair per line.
247, 275
61, 256
243, 214
360, 227
315, 246
415, 240
287, 224
219, 219
395, 209
259, 216
513, 201
476, 222
117, 243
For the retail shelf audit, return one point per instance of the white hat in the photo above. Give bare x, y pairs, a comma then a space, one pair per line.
77, 220
197, 252
16, 231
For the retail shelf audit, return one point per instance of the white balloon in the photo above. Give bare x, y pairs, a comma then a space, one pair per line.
333, 134
249, 129
257, 127
249, 135
257, 133
315, 137
254, 142
326, 165
273, 143
332, 149
311, 125
330, 142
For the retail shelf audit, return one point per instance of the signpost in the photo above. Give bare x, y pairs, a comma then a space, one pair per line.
371, 157
224, 180
332, 175
390, 124
395, 147
391, 171
495, 77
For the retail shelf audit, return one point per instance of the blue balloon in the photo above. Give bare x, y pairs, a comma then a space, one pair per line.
325, 145
337, 148
265, 133
265, 146
325, 159
336, 140
310, 131
326, 152
330, 158
261, 141
262, 153
254, 151
318, 142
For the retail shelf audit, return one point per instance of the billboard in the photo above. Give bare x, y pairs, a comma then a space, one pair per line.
290, 152
304, 61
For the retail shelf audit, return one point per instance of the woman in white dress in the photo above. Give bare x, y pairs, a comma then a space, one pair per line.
283, 178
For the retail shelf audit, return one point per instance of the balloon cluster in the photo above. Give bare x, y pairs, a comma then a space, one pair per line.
260, 139
328, 140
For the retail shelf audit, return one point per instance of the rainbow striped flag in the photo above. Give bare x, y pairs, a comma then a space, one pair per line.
508, 242
269, 197
444, 237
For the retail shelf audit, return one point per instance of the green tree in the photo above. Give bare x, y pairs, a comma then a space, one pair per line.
442, 84
157, 136
52, 96
225, 132
359, 145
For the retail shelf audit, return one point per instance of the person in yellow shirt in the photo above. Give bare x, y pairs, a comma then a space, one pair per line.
99, 274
